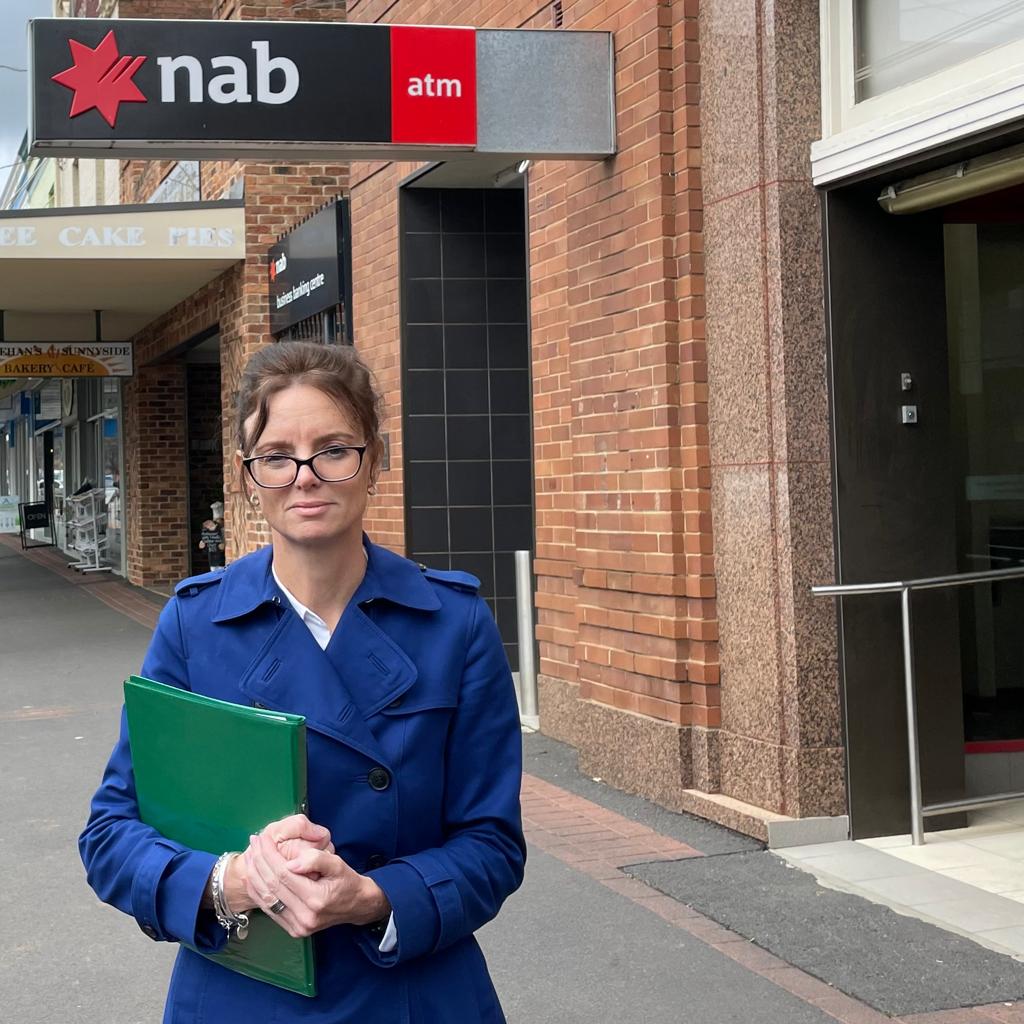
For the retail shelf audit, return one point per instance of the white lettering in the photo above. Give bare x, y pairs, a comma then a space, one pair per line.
169, 66
231, 86
201, 238
449, 87
265, 67
17, 236
428, 85
107, 237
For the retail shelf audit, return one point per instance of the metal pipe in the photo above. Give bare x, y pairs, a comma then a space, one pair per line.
971, 803
913, 754
524, 622
918, 811
925, 583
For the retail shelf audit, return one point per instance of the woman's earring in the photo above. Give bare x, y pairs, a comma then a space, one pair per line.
254, 500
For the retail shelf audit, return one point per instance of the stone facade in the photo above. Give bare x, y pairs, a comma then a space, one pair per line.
679, 401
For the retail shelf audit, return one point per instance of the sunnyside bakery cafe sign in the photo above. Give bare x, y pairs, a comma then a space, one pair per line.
147, 88
65, 359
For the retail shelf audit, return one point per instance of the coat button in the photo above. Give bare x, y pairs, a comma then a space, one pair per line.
375, 860
379, 779
396, 703
149, 930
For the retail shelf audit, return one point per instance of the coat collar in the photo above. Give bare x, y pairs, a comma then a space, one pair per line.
248, 583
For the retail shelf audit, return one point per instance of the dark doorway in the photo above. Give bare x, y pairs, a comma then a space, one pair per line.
895, 507
466, 387
205, 443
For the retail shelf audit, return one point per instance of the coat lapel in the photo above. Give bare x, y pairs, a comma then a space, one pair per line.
291, 673
373, 668
363, 669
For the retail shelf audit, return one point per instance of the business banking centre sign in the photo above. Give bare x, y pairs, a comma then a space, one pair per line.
151, 87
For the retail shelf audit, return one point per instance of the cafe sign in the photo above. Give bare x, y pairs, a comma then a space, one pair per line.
66, 359
153, 87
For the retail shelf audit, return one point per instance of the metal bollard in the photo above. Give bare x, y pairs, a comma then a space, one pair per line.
527, 663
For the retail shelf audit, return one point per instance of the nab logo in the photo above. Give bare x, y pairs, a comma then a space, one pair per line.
102, 79
277, 266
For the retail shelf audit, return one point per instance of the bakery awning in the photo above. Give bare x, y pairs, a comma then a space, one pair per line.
131, 263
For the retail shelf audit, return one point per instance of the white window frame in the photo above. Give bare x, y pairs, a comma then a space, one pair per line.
976, 95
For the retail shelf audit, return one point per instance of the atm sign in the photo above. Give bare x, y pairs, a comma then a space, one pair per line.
433, 85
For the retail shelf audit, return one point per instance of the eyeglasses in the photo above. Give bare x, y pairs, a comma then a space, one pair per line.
332, 466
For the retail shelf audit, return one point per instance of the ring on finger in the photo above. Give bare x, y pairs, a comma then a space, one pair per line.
277, 907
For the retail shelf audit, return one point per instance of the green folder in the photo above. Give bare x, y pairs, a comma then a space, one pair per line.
208, 774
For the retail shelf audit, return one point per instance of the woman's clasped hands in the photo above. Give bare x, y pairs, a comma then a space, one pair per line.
292, 872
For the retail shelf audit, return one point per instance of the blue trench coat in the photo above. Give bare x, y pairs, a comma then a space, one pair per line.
414, 681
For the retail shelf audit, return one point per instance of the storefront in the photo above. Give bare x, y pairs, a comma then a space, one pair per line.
923, 180
62, 401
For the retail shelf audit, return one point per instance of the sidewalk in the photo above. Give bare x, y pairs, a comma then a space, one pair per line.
595, 934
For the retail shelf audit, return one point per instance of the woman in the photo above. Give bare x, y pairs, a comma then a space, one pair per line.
413, 839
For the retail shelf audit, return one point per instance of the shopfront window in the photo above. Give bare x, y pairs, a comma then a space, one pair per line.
901, 41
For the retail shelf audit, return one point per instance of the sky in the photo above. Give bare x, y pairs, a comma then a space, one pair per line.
14, 16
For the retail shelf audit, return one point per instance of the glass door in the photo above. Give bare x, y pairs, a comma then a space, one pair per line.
985, 307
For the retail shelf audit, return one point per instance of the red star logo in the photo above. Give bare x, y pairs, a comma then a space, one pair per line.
101, 78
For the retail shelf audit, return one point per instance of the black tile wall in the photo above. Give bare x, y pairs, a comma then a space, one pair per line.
424, 346
427, 440
463, 254
465, 300
466, 387
422, 255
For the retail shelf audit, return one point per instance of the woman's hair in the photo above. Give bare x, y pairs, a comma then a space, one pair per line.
335, 370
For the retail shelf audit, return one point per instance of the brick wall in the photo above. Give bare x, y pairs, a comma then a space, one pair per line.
155, 457
625, 567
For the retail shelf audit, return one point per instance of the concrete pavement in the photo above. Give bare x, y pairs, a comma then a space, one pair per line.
582, 940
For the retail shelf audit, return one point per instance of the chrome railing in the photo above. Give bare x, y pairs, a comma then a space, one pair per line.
919, 810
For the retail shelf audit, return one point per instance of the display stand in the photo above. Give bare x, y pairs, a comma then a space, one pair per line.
86, 518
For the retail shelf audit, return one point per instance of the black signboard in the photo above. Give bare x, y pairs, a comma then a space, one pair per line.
248, 85
309, 269
34, 516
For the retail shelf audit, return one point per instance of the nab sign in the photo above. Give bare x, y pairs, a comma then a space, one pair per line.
120, 88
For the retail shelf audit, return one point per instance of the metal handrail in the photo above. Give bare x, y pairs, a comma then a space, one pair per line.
918, 810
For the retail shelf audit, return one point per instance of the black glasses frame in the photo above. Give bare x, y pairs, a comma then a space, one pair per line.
299, 463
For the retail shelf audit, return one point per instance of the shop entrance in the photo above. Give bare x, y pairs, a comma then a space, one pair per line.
926, 322
204, 420
466, 386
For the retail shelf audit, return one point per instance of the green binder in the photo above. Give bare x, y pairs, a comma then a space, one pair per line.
208, 774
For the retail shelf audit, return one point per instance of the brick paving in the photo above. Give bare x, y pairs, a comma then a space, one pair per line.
589, 838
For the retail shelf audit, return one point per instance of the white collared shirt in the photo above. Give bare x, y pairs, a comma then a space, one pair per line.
322, 635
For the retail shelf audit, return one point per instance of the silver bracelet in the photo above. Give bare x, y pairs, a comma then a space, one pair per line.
237, 923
